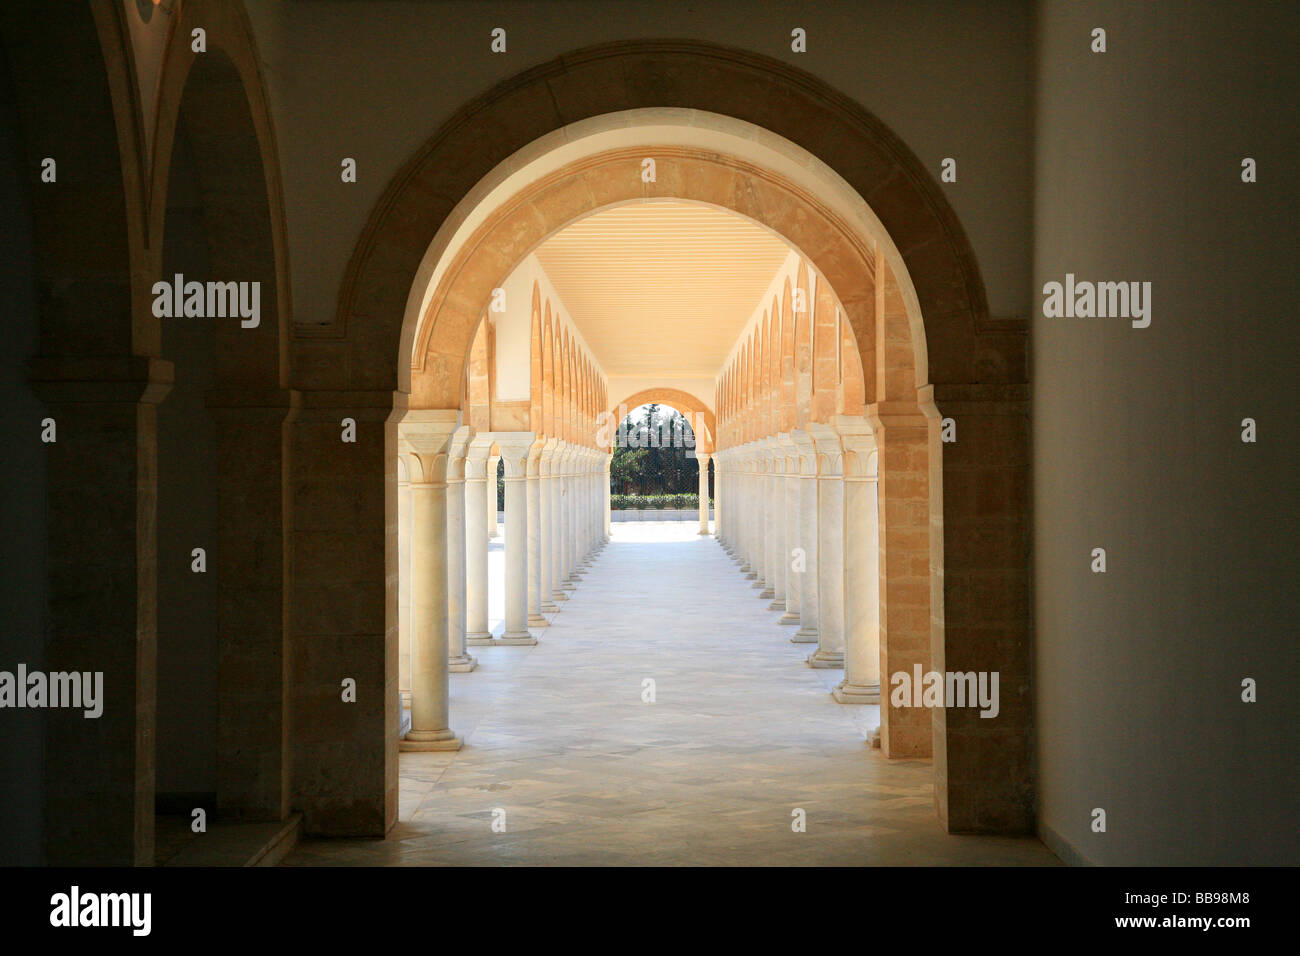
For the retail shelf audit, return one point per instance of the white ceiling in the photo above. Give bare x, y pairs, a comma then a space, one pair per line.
662, 287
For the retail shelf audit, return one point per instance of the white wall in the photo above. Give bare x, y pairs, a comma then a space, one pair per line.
1136, 435
373, 81
514, 329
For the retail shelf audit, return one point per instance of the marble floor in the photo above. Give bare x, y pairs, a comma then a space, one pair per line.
574, 768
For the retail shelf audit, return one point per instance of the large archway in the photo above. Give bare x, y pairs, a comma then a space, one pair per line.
941, 354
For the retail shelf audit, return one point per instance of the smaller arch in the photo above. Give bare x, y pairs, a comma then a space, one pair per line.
686, 403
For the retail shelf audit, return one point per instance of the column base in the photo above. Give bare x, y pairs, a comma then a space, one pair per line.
768, 593
826, 659
550, 608
702, 532
758, 583
538, 621
424, 741
560, 596
483, 639
789, 617
522, 639
803, 636
777, 605
462, 664
846, 693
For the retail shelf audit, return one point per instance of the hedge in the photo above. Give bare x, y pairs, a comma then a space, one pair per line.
653, 502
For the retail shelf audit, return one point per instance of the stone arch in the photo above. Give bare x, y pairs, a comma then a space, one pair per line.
684, 402
398, 289
535, 386
234, 173
548, 372
115, 154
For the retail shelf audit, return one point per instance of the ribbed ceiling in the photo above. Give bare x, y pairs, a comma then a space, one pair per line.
661, 287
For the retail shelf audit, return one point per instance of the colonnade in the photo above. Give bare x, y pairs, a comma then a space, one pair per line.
556, 519
799, 513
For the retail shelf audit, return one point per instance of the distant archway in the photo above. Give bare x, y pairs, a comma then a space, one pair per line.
695, 410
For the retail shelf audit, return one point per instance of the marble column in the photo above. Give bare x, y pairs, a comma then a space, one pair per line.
719, 484
830, 548
750, 525
459, 660
582, 488
569, 497
808, 617
546, 503
861, 684
403, 574
777, 526
430, 725
789, 501
515, 448
493, 530
558, 516
703, 459
477, 631
762, 520
535, 544
767, 501
607, 517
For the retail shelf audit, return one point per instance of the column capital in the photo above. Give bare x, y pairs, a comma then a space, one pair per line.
830, 453
456, 447
858, 438
427, 433
806, 449
480, 445
515, 449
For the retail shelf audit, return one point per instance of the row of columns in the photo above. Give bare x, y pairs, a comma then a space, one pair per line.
556, 516
799, 513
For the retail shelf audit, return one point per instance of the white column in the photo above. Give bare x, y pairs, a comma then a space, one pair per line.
861, 684
752, 524
807, 633
607, 516
830, 549
767, 511
703, 459
492, 529
459, 660
476, 542
428, 434
719, 487
776, 527
570, 498
762, 547
534, 497
557, 522
546, 499
404, 574
789, 502
515, 447
581, 541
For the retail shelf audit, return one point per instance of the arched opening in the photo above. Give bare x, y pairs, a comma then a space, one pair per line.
218, 301
887, 270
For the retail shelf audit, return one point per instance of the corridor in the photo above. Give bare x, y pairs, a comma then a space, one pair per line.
741, 732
